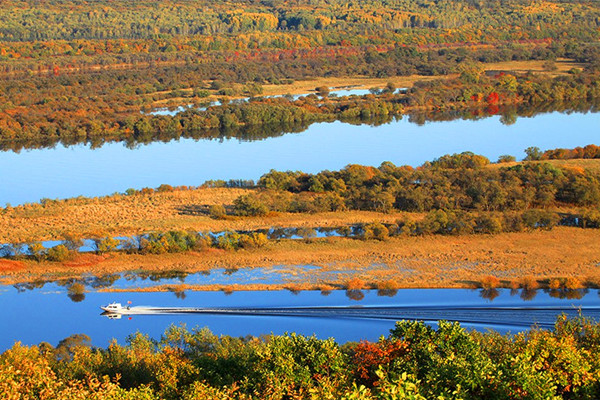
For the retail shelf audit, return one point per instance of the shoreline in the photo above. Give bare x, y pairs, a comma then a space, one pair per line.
408, 262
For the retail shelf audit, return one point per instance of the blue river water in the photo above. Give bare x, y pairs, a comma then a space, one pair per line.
48, 314
63, 172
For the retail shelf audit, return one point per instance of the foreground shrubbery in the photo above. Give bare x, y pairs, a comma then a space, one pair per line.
415, 361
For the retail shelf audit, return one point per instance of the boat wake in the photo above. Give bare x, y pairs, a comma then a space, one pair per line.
507, 316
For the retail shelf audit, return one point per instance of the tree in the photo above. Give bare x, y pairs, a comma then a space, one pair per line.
106, 244
533, 154
322, 91
505, 158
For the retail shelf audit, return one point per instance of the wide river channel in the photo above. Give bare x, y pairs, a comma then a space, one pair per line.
62, 172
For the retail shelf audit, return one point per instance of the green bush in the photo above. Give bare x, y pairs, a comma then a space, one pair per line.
217, 211
58, 253
250, 205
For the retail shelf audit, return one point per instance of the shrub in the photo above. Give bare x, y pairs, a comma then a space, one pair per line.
506, 159
572, 283
58, 253
164, 188
229, 240
554, 284
37, 250
217, 211
591, 219
528, 283
107, 244
291, 365
355, 284
250, 205
253, 240
488, 224
540, 219
375, 230
490, 282
169, 242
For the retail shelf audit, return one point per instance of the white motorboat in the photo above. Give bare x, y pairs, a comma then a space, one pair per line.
116, 308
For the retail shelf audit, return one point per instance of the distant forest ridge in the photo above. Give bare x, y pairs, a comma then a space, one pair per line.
125, 19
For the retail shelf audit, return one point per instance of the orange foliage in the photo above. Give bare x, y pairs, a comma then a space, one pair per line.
368, 356
10, 265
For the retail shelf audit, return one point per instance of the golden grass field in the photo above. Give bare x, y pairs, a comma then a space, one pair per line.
142, 213
409, 262
426, 261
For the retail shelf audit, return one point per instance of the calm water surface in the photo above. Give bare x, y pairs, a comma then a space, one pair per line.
48, 314
63, 172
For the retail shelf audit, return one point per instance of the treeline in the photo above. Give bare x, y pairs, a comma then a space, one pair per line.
83, 71
452, 182
151, 243
29, 20
589, 151
415, 361
76, 118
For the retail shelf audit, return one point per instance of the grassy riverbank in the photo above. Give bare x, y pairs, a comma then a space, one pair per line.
185, 208
411, 262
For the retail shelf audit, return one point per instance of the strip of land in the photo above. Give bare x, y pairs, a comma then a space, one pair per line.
180, 209
411, 262
308, 86
408, 261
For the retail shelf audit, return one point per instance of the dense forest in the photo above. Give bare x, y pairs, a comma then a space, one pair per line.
415, 361
452, 182
199, 24
75, 71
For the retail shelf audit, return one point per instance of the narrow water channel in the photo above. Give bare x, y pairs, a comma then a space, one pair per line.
48, 314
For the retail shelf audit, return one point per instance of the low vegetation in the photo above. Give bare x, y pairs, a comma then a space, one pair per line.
415, 361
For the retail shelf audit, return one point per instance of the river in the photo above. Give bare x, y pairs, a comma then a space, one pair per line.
48, 314
62, 172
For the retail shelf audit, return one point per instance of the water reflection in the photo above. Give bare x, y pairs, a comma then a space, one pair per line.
230, 271
387, 292
291, 278
509, 115
355, 294
528, 294
47, 314
204, 155
567, 293
489, 294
